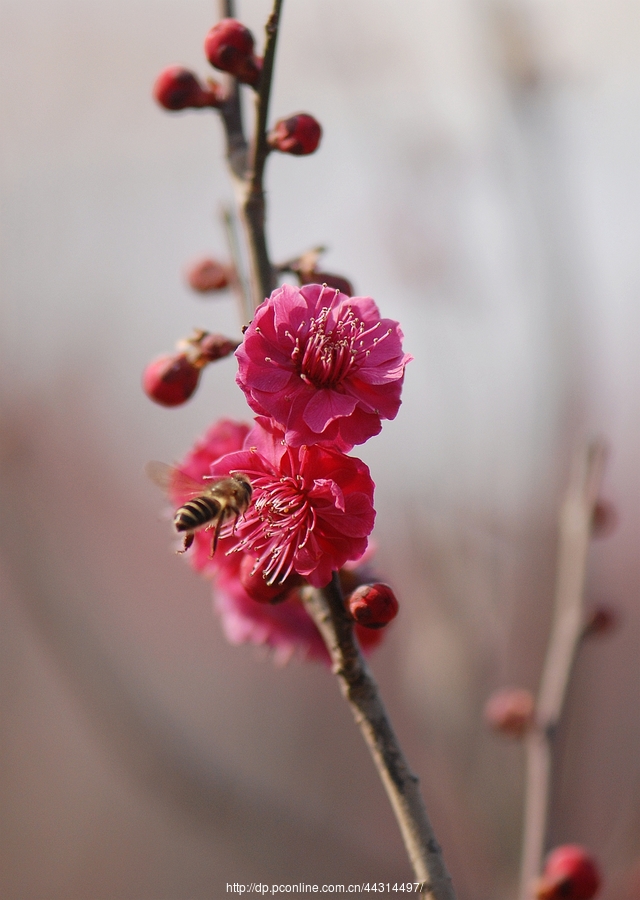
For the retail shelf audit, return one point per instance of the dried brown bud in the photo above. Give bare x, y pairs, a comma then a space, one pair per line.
337, 282
217, 346
202, 348
306, 268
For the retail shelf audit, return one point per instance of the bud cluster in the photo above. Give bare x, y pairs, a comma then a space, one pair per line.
230, 47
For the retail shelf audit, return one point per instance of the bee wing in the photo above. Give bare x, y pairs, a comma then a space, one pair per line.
174, 481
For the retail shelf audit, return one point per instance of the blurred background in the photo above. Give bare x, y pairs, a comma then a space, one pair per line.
478, 177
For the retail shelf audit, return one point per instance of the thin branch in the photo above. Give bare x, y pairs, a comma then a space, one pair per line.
260, 148
231, 112
239, 282
576, 516
326, 607
253, 207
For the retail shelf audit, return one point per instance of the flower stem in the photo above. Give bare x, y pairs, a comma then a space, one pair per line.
326, 608
576, 516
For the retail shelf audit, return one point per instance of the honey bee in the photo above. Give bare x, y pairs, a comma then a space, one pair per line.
209, 505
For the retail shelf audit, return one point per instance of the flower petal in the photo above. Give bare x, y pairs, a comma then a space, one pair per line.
326, 405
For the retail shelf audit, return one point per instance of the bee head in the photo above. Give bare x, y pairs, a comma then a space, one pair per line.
243, 480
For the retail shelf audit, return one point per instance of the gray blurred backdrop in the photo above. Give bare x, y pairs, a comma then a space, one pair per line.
478, 177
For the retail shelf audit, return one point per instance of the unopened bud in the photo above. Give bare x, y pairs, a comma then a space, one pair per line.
216, 346
253, 581
177, 88
373, 605
570, 873
337, 282
229, 47
171, 380
207, 275
299, 135
602, 620
604, 519
510, 711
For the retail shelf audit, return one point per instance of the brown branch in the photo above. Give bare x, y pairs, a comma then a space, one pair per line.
253, 207
326, 607
247, 164
576, 516
231, 112
239, 282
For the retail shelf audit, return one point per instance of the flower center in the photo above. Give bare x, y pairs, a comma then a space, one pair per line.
277, 526
329, 354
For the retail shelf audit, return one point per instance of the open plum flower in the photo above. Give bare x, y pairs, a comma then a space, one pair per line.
285, 626
312, 507
324, 365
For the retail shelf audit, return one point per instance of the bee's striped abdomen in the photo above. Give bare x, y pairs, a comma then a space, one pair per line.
195, 513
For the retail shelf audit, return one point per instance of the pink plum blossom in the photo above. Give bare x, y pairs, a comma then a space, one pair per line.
285, 627
312, 507
223, 437
323, 365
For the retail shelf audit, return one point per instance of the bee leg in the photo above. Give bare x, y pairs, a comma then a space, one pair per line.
188, 541
216, 535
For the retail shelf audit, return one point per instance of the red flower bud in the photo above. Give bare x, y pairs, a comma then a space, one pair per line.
177, 88
602, 620
208, 275
570, 873
170, 380
257, 588
604, 519
229, 47
510, 711
373, 605
299, 135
